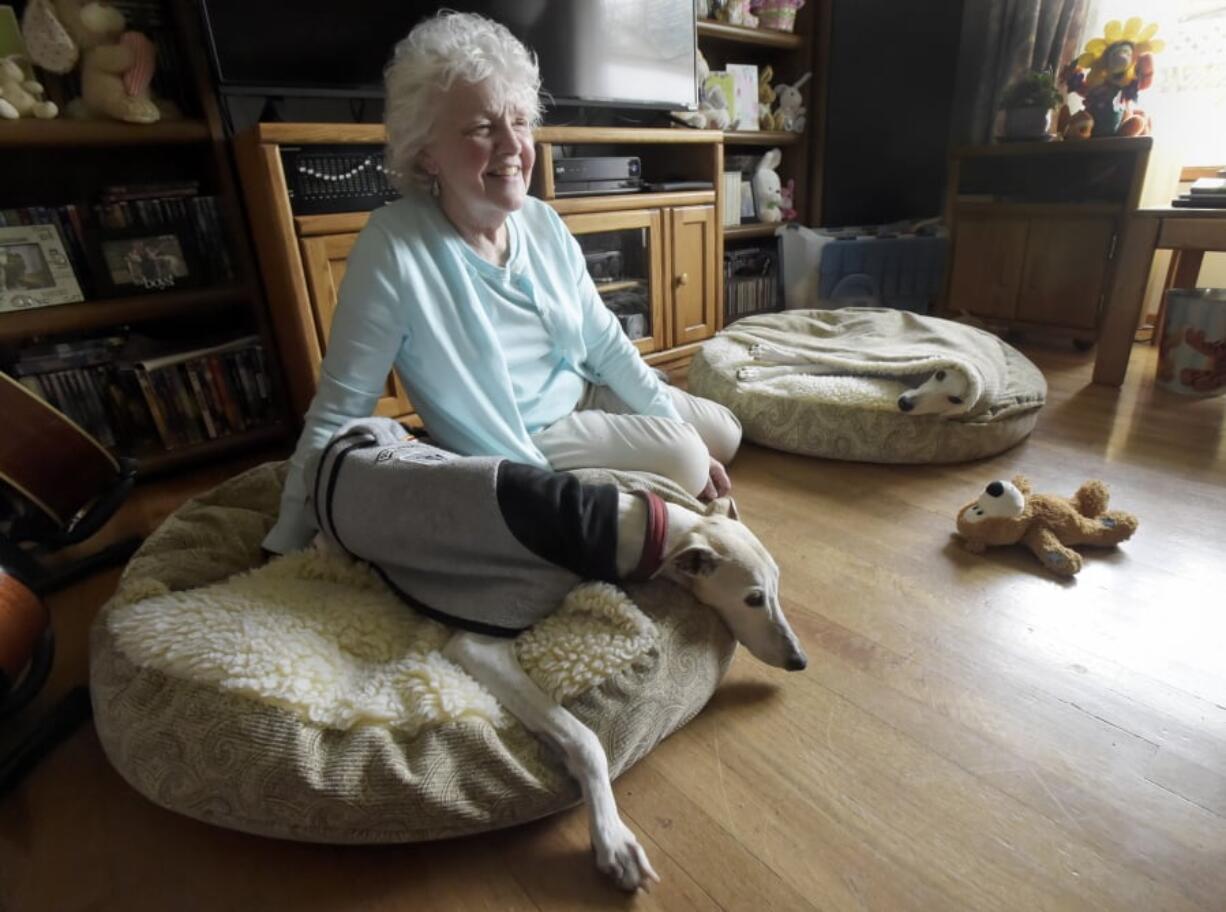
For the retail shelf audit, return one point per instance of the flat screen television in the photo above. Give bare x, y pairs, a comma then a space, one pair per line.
624, 53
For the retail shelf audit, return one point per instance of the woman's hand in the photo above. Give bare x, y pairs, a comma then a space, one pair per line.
718, 483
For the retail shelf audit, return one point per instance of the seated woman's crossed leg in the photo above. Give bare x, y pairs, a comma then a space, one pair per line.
604, 432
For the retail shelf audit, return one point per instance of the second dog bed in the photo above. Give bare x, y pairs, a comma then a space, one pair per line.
850, 411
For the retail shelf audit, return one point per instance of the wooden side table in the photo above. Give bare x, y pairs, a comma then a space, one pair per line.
1190, 231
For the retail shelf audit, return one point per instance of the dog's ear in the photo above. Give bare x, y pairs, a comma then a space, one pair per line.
696, 559
1022, 484
723, 506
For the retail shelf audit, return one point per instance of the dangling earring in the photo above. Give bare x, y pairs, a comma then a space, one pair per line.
434, 188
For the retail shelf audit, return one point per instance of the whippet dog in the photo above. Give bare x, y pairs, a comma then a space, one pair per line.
497, 546
941, 394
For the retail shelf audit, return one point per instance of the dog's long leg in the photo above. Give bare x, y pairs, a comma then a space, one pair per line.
491, 660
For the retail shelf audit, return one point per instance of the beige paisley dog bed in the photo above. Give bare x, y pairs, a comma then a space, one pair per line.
868, 357
299, 698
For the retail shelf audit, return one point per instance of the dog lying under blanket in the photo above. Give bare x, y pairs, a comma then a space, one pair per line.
942, 393
490, 547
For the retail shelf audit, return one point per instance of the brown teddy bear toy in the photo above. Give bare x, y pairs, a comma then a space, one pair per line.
1007, 513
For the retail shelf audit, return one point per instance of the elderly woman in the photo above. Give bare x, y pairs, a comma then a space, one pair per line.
479, 297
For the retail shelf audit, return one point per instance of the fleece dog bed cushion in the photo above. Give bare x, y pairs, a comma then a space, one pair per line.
868, 357
300, 698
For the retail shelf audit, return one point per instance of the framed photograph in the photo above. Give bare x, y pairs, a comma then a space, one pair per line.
34, 269
132, 261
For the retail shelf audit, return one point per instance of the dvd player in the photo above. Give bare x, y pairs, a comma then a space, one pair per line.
595, 188
591, 175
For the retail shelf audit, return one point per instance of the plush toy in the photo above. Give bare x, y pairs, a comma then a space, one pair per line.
1007, 513
767, 119
116, 65
20, 96
767, 189
786, 197
735, 12
791, 111
712, 113
1110, 74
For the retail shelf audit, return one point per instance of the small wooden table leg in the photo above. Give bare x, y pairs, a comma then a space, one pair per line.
1125, 301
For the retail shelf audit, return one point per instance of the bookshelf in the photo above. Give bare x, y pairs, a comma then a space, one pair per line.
52, 168
790, 55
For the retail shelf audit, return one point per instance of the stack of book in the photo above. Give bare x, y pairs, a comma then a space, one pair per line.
171, 399
1205, 193
751, 281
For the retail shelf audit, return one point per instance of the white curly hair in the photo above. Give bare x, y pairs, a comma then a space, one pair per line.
447, 47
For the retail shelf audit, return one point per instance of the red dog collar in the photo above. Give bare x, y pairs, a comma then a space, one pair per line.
654, 538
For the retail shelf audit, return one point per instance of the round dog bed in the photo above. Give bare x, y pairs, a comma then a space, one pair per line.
299, 698
867, 358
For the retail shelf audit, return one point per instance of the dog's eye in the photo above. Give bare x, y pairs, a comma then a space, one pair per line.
940, 375
755, 600
956, 400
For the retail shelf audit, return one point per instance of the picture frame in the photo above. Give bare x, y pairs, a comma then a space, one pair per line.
145, 260
34, 269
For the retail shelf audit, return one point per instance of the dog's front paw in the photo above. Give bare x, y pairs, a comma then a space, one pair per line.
763, 351
619, 855
748, 373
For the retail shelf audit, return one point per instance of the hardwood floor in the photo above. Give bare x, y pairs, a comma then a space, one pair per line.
970, 733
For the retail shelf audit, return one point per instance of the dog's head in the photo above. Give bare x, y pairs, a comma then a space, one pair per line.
943, 393
727, 568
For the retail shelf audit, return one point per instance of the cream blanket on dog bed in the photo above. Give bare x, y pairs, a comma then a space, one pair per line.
869, 356
299, 698
872, 356
323, 637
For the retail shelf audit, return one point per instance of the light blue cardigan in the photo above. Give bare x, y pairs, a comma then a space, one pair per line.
410, 300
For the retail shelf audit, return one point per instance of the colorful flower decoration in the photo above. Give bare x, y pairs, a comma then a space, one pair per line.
1122, 58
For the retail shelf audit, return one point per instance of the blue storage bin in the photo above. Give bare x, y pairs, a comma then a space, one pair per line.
904, 272
880, 267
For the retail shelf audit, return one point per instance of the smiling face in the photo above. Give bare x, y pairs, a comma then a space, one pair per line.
481, 152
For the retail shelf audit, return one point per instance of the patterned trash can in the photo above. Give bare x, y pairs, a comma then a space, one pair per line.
1192, 353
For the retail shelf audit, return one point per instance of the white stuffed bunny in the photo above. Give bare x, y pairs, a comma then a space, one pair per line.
712, 113
791, 105
19, 96
767, 189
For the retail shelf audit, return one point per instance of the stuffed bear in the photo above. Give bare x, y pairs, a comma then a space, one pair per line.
19, 96
116, 65
1007, 513
767, 188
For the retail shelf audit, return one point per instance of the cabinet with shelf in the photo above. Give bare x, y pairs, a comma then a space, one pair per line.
1034, 228
54, 169
790, 55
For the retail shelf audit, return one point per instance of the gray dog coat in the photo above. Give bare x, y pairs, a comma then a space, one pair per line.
481, 543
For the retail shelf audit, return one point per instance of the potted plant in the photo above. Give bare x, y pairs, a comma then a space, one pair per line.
1028, 105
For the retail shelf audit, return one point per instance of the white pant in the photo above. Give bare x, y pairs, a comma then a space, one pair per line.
603, 433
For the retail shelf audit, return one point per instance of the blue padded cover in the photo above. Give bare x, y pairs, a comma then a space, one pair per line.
905, 273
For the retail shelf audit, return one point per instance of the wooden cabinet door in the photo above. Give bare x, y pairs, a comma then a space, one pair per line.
1066, 264
986, 275
694, 273
323, 260
625, 254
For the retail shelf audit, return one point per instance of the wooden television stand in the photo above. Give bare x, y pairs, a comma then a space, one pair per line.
664, 250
